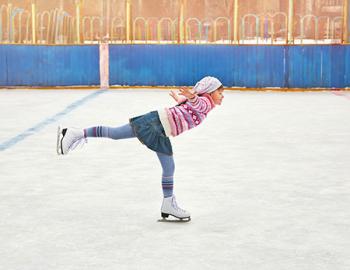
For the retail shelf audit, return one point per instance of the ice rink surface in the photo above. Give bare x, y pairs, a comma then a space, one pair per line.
266, 178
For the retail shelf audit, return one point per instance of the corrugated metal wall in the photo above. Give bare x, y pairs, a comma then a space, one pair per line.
311, 66
22, 65
318, 66
184, 65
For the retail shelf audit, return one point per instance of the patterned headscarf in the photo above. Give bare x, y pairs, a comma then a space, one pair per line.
207, 85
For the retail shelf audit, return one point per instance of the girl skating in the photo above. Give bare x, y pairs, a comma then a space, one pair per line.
154, 130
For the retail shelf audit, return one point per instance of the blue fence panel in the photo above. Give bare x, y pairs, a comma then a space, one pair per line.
302, 60
338, 54
318, 66
49, 65
347, 66
3, 66
310, 66
245, 66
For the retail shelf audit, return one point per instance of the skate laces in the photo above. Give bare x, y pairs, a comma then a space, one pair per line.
176, 207
78, 143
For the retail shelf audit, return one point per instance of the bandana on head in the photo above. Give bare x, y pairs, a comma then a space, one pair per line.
207, 85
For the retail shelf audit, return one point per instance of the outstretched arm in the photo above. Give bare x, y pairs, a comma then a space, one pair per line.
200, 103
185, 94
175, 96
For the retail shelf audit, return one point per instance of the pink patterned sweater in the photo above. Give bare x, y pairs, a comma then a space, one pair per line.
186, 115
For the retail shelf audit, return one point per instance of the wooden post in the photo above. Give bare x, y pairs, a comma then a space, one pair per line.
33, 22
290, 39
104, 66
235, 23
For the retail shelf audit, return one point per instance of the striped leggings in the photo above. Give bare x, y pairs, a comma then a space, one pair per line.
126, 132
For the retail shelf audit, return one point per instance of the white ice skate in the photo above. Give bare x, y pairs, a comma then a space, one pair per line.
68, 139
170, 207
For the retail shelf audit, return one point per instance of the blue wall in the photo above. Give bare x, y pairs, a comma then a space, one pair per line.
308, 66
26, 65
324, 66
319, 66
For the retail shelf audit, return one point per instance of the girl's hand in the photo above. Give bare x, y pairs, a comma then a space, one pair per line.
175, 96
186, 92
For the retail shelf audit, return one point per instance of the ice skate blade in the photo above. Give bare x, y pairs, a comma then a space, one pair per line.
176, 220
58, 145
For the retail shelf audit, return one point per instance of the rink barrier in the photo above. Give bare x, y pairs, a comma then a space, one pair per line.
43, 65
246, 66
243, 66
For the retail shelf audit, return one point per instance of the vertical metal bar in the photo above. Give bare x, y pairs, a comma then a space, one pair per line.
91, 30
328, 28
77, 16
20, 27
348, 21
159, 31
257, 28
25, 39
262, 27
346, 25
58, 26
71, 29
181, 23
48, 28
316, 29
286, 25
148, 30
1, 7
12, 24
40, 19
215, 31
128, 21
68, 29
235, 23
108, 16
184, 26
9, 21
290, 22
102, 21
272, 31
33, 23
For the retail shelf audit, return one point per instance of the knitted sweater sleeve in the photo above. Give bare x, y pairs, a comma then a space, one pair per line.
202, 103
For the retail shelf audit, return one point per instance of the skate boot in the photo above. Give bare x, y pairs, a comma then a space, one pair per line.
68, 139
170, 207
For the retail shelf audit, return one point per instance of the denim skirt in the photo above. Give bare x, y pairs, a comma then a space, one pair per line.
149, 130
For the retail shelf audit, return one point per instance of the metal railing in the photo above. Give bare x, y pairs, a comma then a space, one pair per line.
118, 33
227, 21
57, 26
94, 31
